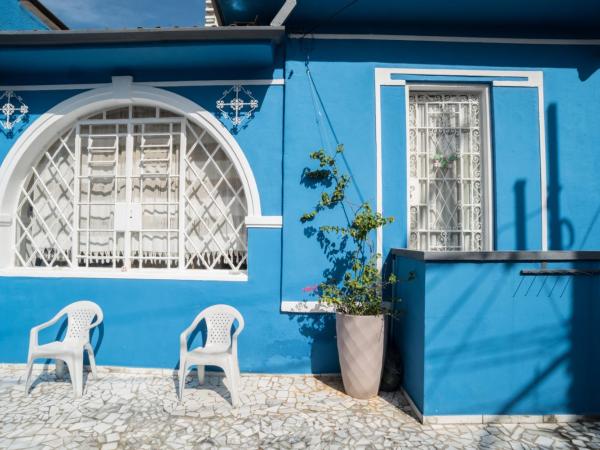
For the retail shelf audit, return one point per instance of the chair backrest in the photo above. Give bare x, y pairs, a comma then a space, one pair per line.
80, 315
219, 320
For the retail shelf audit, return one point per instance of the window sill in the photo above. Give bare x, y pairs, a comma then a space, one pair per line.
204, 275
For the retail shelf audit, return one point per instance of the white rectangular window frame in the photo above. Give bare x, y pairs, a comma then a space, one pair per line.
486, 153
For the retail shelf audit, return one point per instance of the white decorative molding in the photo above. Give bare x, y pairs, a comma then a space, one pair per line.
256, 82
533, 79
465, 419
455, 39
6, 220
304, 307
264, 221
121, 87
162, 84
137, 274
314, 307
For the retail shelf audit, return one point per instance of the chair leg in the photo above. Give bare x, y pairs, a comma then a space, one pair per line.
92, 359
201, 373
236, 368
233, 385
79, 370
182, 373
28, 374
75, 366
59, 368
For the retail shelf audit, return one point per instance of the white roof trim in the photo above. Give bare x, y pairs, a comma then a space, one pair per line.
457, 39
283, 13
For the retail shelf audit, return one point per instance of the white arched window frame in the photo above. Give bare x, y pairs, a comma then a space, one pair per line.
16, 168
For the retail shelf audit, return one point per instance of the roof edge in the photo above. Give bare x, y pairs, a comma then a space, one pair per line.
43, 14
139, 35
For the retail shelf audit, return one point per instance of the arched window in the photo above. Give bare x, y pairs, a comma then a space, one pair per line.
132, 188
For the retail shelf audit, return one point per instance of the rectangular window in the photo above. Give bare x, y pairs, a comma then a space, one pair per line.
448, 156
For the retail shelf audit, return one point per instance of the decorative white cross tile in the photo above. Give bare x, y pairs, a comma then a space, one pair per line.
237, 104
13, 110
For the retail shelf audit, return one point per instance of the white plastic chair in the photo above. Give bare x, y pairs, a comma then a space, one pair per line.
220, 348
70, 350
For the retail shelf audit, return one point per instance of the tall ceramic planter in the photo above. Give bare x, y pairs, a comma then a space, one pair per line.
360, 342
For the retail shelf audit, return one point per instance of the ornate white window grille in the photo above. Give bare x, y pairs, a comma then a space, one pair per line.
132, 188
446, 198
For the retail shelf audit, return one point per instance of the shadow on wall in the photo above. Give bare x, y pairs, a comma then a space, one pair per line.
319, 329
556, 223
577, 335
581, 358
498, 342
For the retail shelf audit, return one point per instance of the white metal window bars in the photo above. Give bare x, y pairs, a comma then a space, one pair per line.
445, 168
133, 187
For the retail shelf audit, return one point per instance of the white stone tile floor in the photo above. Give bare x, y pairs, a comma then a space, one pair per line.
141, 411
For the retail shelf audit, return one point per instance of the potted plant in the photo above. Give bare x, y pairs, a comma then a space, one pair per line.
357, 294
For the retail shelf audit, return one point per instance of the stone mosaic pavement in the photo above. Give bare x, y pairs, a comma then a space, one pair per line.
140, 411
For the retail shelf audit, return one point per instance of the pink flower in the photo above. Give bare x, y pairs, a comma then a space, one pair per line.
312, 288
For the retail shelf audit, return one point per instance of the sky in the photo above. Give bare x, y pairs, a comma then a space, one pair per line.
99, 14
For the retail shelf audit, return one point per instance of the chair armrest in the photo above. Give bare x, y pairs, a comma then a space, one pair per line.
186, 333
183, 341
234, 336
238, 330
33, 334
183, 337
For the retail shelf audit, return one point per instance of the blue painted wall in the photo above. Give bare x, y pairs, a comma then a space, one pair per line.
143, 318
516, 169
14, 17
335, 104
498, 342
340, 108
409, 325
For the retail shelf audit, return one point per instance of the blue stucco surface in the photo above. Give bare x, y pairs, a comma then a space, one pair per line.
498, 342
143, 318
409, 326
441, 340
516, 169
342, 109
14, 17
145, 62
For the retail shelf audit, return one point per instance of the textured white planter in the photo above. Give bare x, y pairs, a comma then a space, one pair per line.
360, 341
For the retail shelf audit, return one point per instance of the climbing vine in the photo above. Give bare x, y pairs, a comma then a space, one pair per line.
359, 291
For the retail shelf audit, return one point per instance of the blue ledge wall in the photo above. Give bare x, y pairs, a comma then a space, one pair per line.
497, 342
409, 326
337, 106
